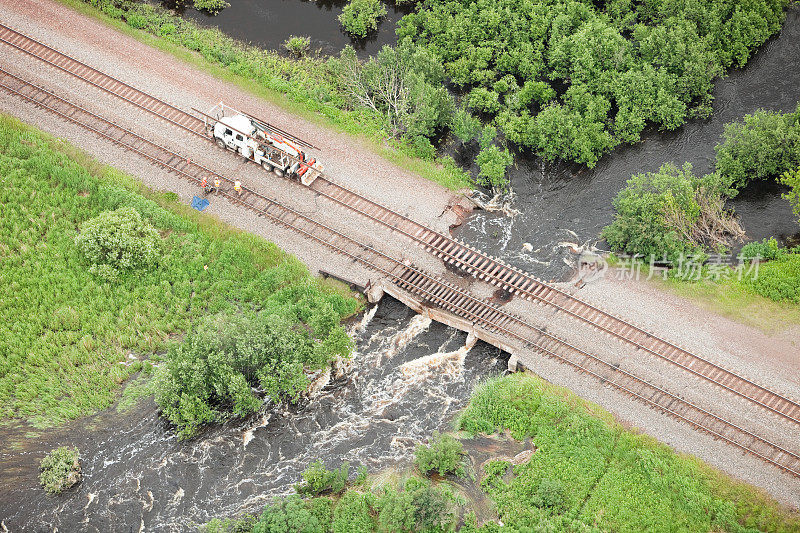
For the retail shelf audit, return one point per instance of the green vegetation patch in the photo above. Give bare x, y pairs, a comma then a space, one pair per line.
231, 362
443, 455
671, 213
360, 17
68, 337
60, 469
572, 79
588, 472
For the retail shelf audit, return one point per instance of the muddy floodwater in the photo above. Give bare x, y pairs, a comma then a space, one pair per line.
562, 204
408, 378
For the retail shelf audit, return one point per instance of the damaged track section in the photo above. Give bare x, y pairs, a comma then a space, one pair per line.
462, 256
429, 289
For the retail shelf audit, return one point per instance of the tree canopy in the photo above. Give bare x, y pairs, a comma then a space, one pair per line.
571, 80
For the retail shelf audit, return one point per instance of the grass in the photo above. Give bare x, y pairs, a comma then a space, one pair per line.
68, 338
613, 479
735, 300
728, 296
300, 86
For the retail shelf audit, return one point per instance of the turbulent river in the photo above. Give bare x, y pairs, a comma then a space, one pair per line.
407, 379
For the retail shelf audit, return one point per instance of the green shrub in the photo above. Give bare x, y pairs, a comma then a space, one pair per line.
791, 179
550, 494
134, 20
60, 469
289, 515
778, 279
118, 241
443, 455
763, 145
766, 250
213, 372
211, 6
418, 507
493, 163
360, 17
297, 46
465, 126
493, 471
669, 214
318, 480
353, 513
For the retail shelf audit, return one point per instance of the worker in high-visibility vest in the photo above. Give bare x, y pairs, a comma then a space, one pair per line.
237, 186
216, 184
204, 184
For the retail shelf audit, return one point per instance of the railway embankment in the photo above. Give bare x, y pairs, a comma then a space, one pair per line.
411, 271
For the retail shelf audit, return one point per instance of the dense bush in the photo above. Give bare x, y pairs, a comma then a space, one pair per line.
118, 241
60, 469
778, 279
402, 84
229, 363
572, 80
766, 250
413, 506
212, 6
297, 46
360, 17
443, 455
762, 145
317, 479
791, 178
668, 213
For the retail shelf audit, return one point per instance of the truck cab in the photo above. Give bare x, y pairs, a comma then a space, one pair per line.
234, 132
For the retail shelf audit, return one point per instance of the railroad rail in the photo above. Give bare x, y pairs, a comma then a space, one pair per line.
431, 290
464, 257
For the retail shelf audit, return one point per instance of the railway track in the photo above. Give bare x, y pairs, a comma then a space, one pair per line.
432, 290
464, 257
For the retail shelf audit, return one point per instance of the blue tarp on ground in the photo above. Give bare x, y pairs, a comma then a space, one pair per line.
199, 203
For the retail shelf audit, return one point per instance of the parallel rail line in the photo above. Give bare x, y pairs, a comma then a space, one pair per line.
430, 289
466, 258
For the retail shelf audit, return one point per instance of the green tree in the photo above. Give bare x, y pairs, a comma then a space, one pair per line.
762, 145
211, 6
658, 214
465, 126
443, 455
214, 372
297, 46
118, 241
317, 479
402, 84
360, 17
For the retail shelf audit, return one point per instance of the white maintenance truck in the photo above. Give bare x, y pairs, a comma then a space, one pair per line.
272, 148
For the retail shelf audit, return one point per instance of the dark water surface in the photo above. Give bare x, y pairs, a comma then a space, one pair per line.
408, 379
567, 203
268, 23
